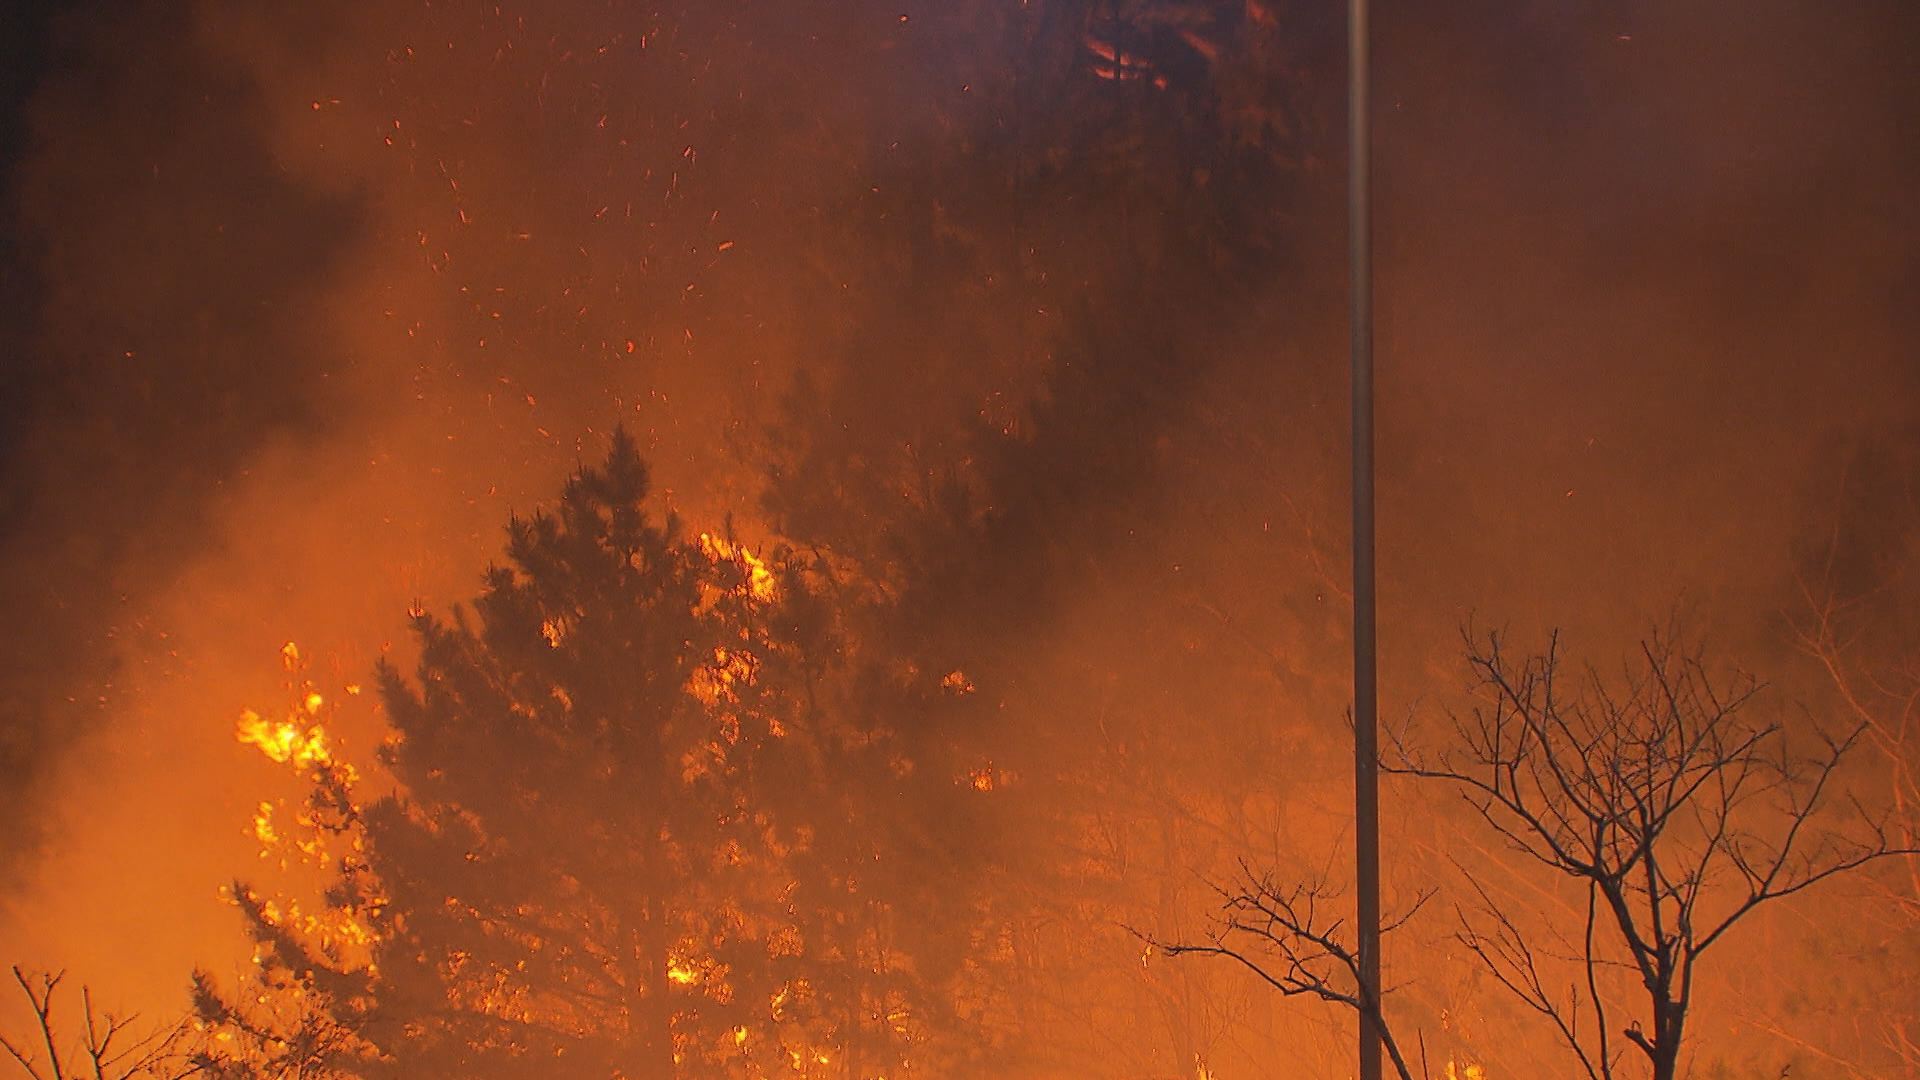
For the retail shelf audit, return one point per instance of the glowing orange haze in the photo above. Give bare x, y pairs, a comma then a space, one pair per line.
1589, 466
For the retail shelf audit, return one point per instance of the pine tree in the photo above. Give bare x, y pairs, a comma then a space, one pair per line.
624, 840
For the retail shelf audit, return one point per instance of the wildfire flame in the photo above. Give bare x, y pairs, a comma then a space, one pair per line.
760, 584
285, 741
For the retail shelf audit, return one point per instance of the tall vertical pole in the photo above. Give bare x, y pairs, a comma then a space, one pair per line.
1366, 786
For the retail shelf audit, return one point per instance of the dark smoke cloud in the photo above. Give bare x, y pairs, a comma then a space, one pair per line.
1641, 260
173, 269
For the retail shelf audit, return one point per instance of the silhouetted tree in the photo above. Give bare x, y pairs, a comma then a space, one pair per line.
106, 1046
620, 844
1661, 796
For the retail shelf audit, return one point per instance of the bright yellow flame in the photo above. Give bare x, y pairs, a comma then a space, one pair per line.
283, 741
263, 828
760, 581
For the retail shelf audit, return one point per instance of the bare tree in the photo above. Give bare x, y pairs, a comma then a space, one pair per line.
1677, 810
1661, 795
1293, 937
109, 1047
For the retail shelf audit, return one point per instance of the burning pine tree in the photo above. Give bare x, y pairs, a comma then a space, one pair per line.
629, 837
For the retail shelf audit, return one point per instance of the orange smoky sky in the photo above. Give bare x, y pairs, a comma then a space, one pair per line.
306, 300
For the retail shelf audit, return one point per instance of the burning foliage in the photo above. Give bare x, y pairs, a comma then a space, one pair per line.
638, 832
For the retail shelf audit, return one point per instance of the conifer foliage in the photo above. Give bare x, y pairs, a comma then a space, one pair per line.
604, 854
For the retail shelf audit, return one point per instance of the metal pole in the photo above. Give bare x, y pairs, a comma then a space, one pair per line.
1365, 704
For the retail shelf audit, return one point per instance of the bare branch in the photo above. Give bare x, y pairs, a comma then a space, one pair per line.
1287, 939
109, 1047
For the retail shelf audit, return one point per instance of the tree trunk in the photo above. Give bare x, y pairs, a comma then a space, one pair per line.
655, 1005
1667, 1027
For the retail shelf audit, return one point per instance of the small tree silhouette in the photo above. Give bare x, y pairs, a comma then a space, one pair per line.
108, 1047
1661, 794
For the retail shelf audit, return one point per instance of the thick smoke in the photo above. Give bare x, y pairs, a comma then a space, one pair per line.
318, 298
175, 271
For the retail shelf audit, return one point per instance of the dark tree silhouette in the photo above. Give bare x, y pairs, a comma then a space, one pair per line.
106, 1046
1661, 795
1294, 939
620, 844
